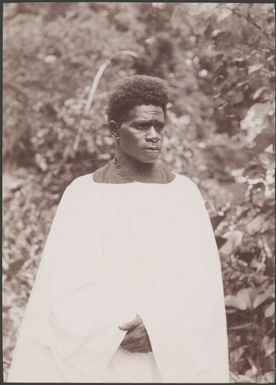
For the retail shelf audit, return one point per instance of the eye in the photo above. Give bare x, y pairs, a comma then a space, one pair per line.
159, 127
141, 127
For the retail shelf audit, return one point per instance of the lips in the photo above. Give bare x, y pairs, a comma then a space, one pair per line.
152, 148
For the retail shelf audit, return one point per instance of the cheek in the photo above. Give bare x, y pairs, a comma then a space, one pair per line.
161, 138
128, 140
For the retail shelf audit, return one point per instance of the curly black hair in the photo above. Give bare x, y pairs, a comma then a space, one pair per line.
133, 91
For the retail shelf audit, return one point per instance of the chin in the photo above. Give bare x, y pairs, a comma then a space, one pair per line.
144, 160
151, 160
148, 161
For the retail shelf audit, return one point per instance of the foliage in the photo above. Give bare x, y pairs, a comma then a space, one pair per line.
219, 62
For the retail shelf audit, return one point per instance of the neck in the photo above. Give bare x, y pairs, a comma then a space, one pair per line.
134, 167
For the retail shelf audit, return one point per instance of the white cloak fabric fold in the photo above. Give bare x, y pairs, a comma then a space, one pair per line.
115, 251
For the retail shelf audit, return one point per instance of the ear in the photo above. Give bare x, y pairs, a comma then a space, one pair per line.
114, 129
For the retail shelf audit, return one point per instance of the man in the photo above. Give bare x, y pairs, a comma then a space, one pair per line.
129, 287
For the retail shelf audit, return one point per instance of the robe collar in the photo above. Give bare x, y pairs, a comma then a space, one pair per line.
117, 172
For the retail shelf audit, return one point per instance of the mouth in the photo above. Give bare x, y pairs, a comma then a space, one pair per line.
157, 149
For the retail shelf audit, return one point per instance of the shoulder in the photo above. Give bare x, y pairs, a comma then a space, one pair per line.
80, 182
78, 186
186, 182
190, 189
191, 194
77, 194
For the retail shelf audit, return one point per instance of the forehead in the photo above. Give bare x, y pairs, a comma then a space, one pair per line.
147, 112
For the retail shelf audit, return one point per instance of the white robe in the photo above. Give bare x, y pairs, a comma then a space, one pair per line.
115, 251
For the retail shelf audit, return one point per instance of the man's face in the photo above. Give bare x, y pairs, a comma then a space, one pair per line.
141, 136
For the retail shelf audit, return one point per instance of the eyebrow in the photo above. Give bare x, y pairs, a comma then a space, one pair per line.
148, 121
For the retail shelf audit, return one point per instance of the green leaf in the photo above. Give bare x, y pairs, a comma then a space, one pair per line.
254, 68
243, 326
236, 354
268, 345
269, 312
259, 92
243, 300
261, 298
234, 239
262, 141
255, 225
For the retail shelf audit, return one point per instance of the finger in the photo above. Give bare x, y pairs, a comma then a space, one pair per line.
144, 349
137, 334
130, 340
137, 347
135, 340
131, 347
131, 325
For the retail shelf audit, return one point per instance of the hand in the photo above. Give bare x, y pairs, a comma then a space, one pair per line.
136, 340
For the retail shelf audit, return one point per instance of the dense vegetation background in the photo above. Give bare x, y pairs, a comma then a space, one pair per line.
219, 62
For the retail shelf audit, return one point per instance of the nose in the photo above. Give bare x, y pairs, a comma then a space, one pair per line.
152, 135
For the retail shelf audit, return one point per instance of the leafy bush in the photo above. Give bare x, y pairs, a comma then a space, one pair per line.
218, 60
